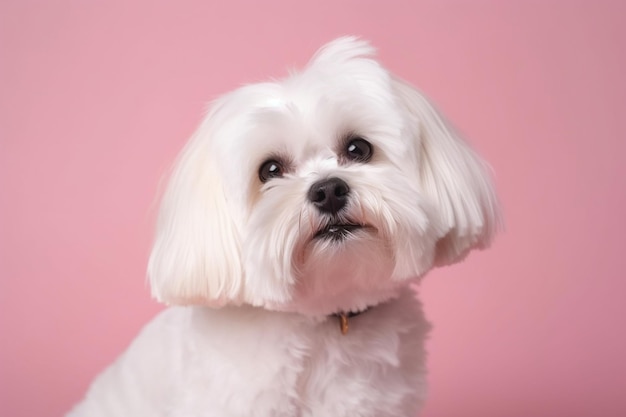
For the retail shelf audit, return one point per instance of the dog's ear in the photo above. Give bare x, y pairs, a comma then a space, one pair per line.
454, 177
196, 253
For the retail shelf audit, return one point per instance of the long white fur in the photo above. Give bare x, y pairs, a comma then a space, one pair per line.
260, 338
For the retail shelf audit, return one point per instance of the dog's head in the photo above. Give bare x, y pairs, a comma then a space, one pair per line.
323, 192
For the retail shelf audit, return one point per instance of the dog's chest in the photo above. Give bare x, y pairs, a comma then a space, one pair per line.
367, 372
295, 368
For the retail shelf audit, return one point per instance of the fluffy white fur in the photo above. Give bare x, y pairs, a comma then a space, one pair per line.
260, 338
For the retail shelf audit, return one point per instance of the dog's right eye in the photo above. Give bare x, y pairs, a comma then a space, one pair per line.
358, 150
270, 169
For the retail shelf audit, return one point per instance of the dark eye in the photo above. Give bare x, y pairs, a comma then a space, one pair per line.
270, 169
359, 150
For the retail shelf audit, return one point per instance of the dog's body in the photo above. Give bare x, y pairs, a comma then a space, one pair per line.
295, 220
196, 361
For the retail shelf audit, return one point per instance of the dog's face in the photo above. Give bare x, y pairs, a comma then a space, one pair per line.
321, 193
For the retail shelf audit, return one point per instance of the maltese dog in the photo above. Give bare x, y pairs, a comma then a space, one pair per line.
294, 223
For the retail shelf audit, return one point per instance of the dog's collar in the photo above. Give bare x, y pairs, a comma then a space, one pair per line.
343, 319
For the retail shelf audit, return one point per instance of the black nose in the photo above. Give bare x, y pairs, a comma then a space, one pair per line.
330, 195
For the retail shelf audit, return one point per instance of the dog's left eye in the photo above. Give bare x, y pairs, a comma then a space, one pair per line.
270, 169
359, 150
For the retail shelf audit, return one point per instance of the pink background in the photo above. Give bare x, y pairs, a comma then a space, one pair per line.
97, 97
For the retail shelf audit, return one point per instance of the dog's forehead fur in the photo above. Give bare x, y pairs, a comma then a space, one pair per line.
310, 114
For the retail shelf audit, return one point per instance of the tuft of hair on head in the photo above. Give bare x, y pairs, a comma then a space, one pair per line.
343, 49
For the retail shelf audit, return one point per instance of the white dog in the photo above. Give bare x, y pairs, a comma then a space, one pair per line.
295, 221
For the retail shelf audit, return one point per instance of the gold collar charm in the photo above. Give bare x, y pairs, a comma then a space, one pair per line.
343, 319
343, 323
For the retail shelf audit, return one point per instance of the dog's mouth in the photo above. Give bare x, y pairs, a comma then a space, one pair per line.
338, 231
